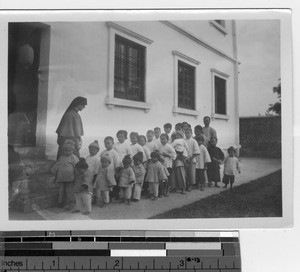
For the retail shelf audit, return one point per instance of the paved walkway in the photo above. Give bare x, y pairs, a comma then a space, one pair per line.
252, 168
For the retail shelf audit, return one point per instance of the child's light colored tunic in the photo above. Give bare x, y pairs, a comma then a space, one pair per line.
157, 142
126, 176
156, 172
202, 158
105, 178
147, 153
137, 148
139, 171
169, 150
181, 143
231, 166
93, 163
152, 146
115, 159
193, 148
122, 149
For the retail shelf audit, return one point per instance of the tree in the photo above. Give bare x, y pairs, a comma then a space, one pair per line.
276, 107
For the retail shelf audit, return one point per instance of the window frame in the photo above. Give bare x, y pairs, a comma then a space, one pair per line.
111, 101
179, 57
216, 73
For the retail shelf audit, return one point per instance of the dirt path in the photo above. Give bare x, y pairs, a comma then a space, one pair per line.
252, 168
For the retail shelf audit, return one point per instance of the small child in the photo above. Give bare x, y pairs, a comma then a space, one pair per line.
139, 172
198, 130
150, 143
178, 127
157, 132
122, 147
201, 163
155, 175
169, 154
64, 170
135, 147
231, 165
83, 187
217, 157
185, 126
126, 180
193, 151
105, 180
180, 144
142, 142
93, 162
167, 129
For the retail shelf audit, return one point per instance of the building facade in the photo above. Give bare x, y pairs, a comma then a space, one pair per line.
135, 76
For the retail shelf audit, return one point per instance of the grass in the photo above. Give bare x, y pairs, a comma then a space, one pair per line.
258, 198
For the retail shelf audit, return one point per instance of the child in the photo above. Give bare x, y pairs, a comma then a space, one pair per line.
167, 129
105, 180
169, 154
64, 170
180, 144
193, 151
83, 187
150, 143
147, 152
178, 127
199, 132
122, 147
113, 154
231, 165
93, 162
201, 163
217, 157
126, 180
155, 175
157, 133
139, 172
185, 126
135, 147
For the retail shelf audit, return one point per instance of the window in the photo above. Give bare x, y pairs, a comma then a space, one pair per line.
220, 95
129, 71
219, 83
186, 86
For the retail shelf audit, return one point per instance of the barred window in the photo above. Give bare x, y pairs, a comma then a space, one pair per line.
186, 86
129, 71
220, 95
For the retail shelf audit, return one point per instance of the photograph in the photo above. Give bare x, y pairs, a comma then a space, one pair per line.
152, 118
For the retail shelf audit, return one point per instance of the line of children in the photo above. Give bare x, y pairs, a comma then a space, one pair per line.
156, 165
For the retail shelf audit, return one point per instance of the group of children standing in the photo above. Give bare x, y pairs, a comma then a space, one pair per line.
153, 165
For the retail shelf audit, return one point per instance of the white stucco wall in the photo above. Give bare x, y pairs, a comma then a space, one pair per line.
79, 66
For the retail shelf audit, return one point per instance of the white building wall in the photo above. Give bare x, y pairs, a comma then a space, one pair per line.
79, 66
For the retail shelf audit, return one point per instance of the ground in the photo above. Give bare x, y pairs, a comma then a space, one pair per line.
252, 169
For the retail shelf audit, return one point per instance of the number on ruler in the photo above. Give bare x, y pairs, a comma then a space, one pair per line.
181, 262
117, 263
53, 263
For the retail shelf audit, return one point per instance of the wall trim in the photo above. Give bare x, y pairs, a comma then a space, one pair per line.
129, 32
196, 39
183, 56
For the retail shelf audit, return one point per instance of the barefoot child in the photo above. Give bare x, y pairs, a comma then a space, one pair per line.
231, 166
139, 172
217, 157
126, 180
83, 187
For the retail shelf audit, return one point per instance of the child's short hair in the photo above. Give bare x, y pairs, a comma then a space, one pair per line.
127, 160
142, 137
185, 123
82, 164
198, 127
189, 129
168, 125
134, 134
157, 128
165, 135
199, 138
124, 132
206, 117
109, 138
178, 126
213, 137
231, 149
105, 158
180, 134
138, 156
155, 154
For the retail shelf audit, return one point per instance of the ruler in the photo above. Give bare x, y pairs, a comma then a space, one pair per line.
95, 251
